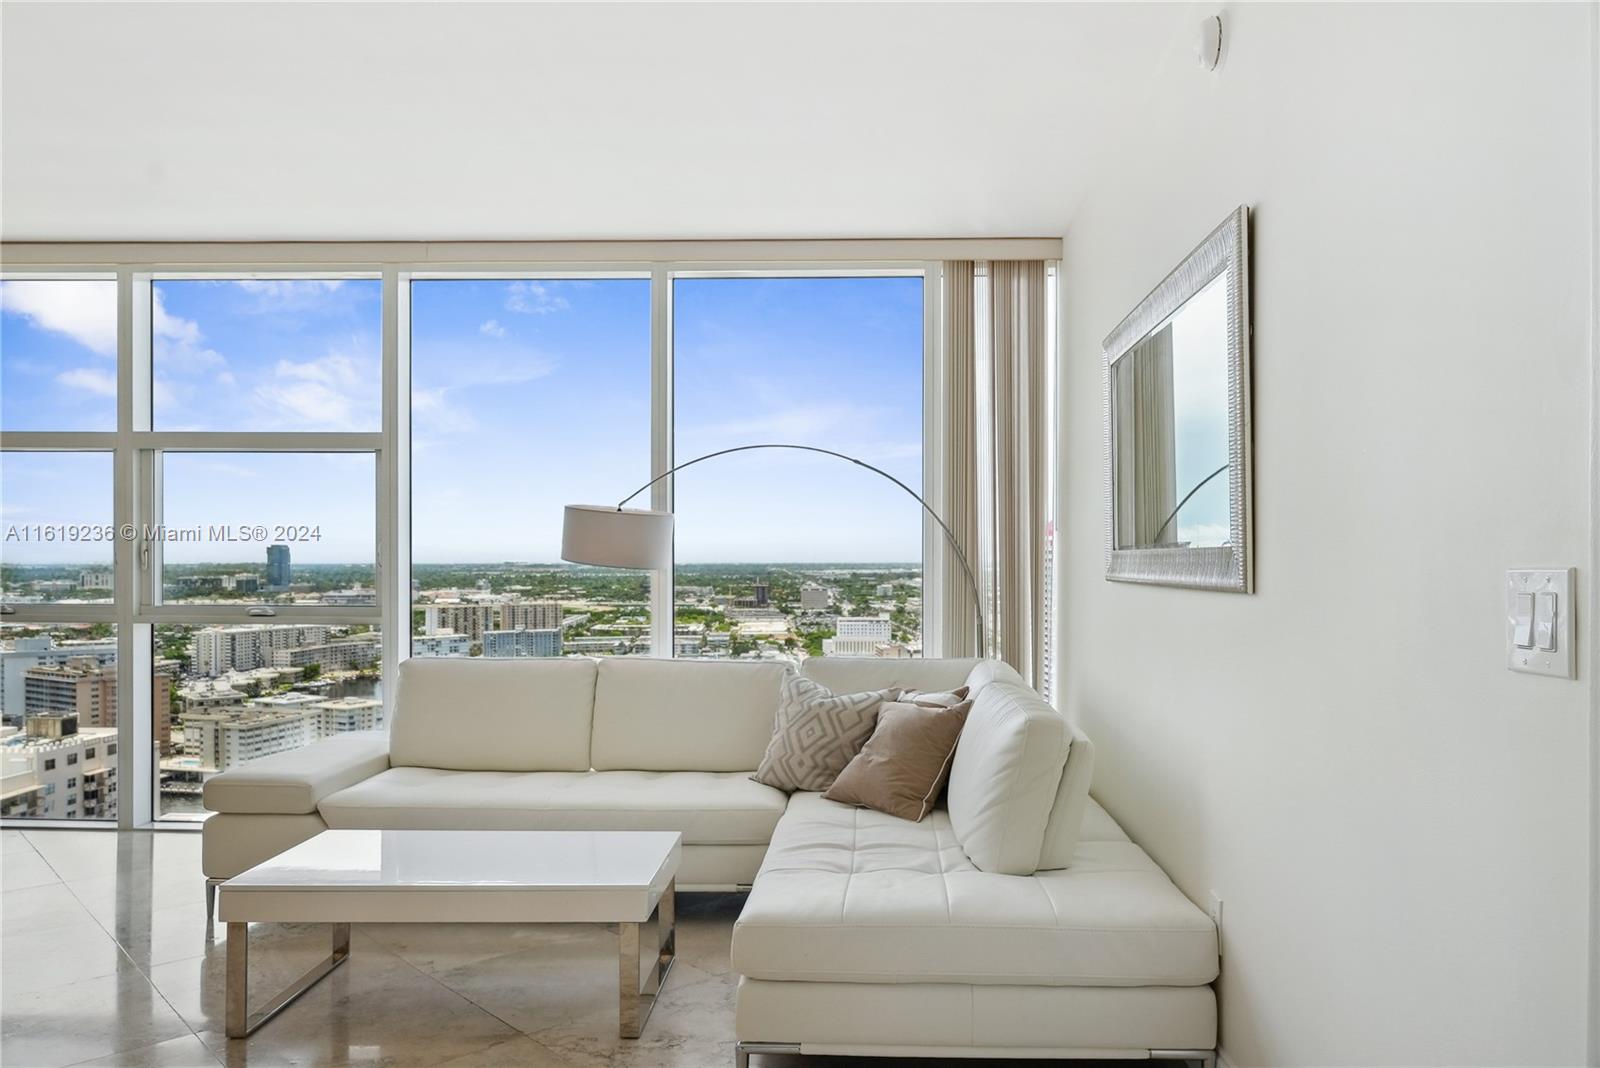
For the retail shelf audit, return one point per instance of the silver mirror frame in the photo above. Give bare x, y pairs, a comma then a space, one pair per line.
1227, 567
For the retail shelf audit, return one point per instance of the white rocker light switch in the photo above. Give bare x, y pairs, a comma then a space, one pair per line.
1522, 620
1539, 622
1544, 621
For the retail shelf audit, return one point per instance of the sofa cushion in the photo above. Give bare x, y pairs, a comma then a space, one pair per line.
846, 674
1004, 777
491, 714
707, 808
665, 715
850, 895
986, 671
1065, 826
292, 783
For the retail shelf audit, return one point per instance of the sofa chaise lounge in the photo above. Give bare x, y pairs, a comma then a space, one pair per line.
1016, 920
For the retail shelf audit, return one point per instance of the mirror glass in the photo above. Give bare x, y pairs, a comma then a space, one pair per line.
1169, 397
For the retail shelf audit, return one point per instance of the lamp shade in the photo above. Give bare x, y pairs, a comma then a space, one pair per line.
607, 536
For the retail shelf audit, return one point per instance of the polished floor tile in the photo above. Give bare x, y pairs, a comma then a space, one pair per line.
39, 908
104, 962
186, 1051
105, 1016
22, 869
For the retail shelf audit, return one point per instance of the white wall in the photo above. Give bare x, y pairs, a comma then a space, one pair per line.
1399, 826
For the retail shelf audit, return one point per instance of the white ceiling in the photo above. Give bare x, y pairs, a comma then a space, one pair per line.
541, 121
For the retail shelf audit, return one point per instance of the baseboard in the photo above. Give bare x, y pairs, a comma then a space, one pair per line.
1222, 1058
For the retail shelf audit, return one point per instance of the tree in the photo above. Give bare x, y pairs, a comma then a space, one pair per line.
310, 673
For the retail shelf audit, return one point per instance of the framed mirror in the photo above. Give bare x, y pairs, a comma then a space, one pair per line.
1177, 404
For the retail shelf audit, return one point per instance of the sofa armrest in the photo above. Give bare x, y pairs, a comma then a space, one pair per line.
293, 783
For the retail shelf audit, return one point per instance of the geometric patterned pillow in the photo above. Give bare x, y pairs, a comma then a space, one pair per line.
816, 733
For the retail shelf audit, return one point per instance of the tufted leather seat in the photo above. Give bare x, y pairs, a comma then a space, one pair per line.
852, 895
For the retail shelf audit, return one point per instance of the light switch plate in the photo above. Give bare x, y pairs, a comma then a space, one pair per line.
1559, 662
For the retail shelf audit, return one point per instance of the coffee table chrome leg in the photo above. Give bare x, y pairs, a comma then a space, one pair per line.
634, 1004
241, 1022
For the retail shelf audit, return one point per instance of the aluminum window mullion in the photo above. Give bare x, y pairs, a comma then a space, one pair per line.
663, 624
934, 546
257, 441
392, 581
59, 440
135, 782
222, 614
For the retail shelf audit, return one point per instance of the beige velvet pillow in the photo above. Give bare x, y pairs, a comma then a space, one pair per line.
816, 733
903, 766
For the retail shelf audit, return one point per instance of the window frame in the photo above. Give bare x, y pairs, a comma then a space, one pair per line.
136, 448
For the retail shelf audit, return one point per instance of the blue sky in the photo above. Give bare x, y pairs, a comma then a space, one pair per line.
527, 395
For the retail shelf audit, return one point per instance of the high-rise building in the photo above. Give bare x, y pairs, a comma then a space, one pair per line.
220, 739
763, 593
218, 650
529, 615
443, 644
54, 770
857, 637
470, 620
96, 580
814, 597
522, 643
474, 618
279, 575
24, 653
340, 654
87, 689
81, 686
348, 714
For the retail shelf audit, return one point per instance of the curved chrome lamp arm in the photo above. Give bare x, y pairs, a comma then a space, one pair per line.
961, 557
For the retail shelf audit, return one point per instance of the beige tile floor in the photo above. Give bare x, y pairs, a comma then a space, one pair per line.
104, 961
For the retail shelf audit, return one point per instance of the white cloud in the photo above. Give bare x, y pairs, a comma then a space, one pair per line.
798, 422
85, 311
493, 328
533, 298
288, 289
178, 342
100, 383
335, 392
434, 404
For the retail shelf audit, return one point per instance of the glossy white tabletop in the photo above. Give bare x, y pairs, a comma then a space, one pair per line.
531, 860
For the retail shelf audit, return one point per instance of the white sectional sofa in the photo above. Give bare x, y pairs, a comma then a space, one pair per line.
1017, 920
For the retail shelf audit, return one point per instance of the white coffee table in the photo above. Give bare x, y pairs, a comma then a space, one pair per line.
345, 877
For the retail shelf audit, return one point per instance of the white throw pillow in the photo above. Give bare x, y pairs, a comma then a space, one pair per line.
1004, 777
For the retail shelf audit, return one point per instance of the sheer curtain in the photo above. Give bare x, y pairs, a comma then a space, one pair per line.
993, 487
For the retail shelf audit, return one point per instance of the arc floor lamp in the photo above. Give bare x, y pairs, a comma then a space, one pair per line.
641, 538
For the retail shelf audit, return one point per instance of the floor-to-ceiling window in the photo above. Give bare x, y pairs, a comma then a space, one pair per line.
233, 498
527, 394
783, 552
258, 488
58, 635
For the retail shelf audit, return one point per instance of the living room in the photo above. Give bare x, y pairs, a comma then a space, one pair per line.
789, 535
